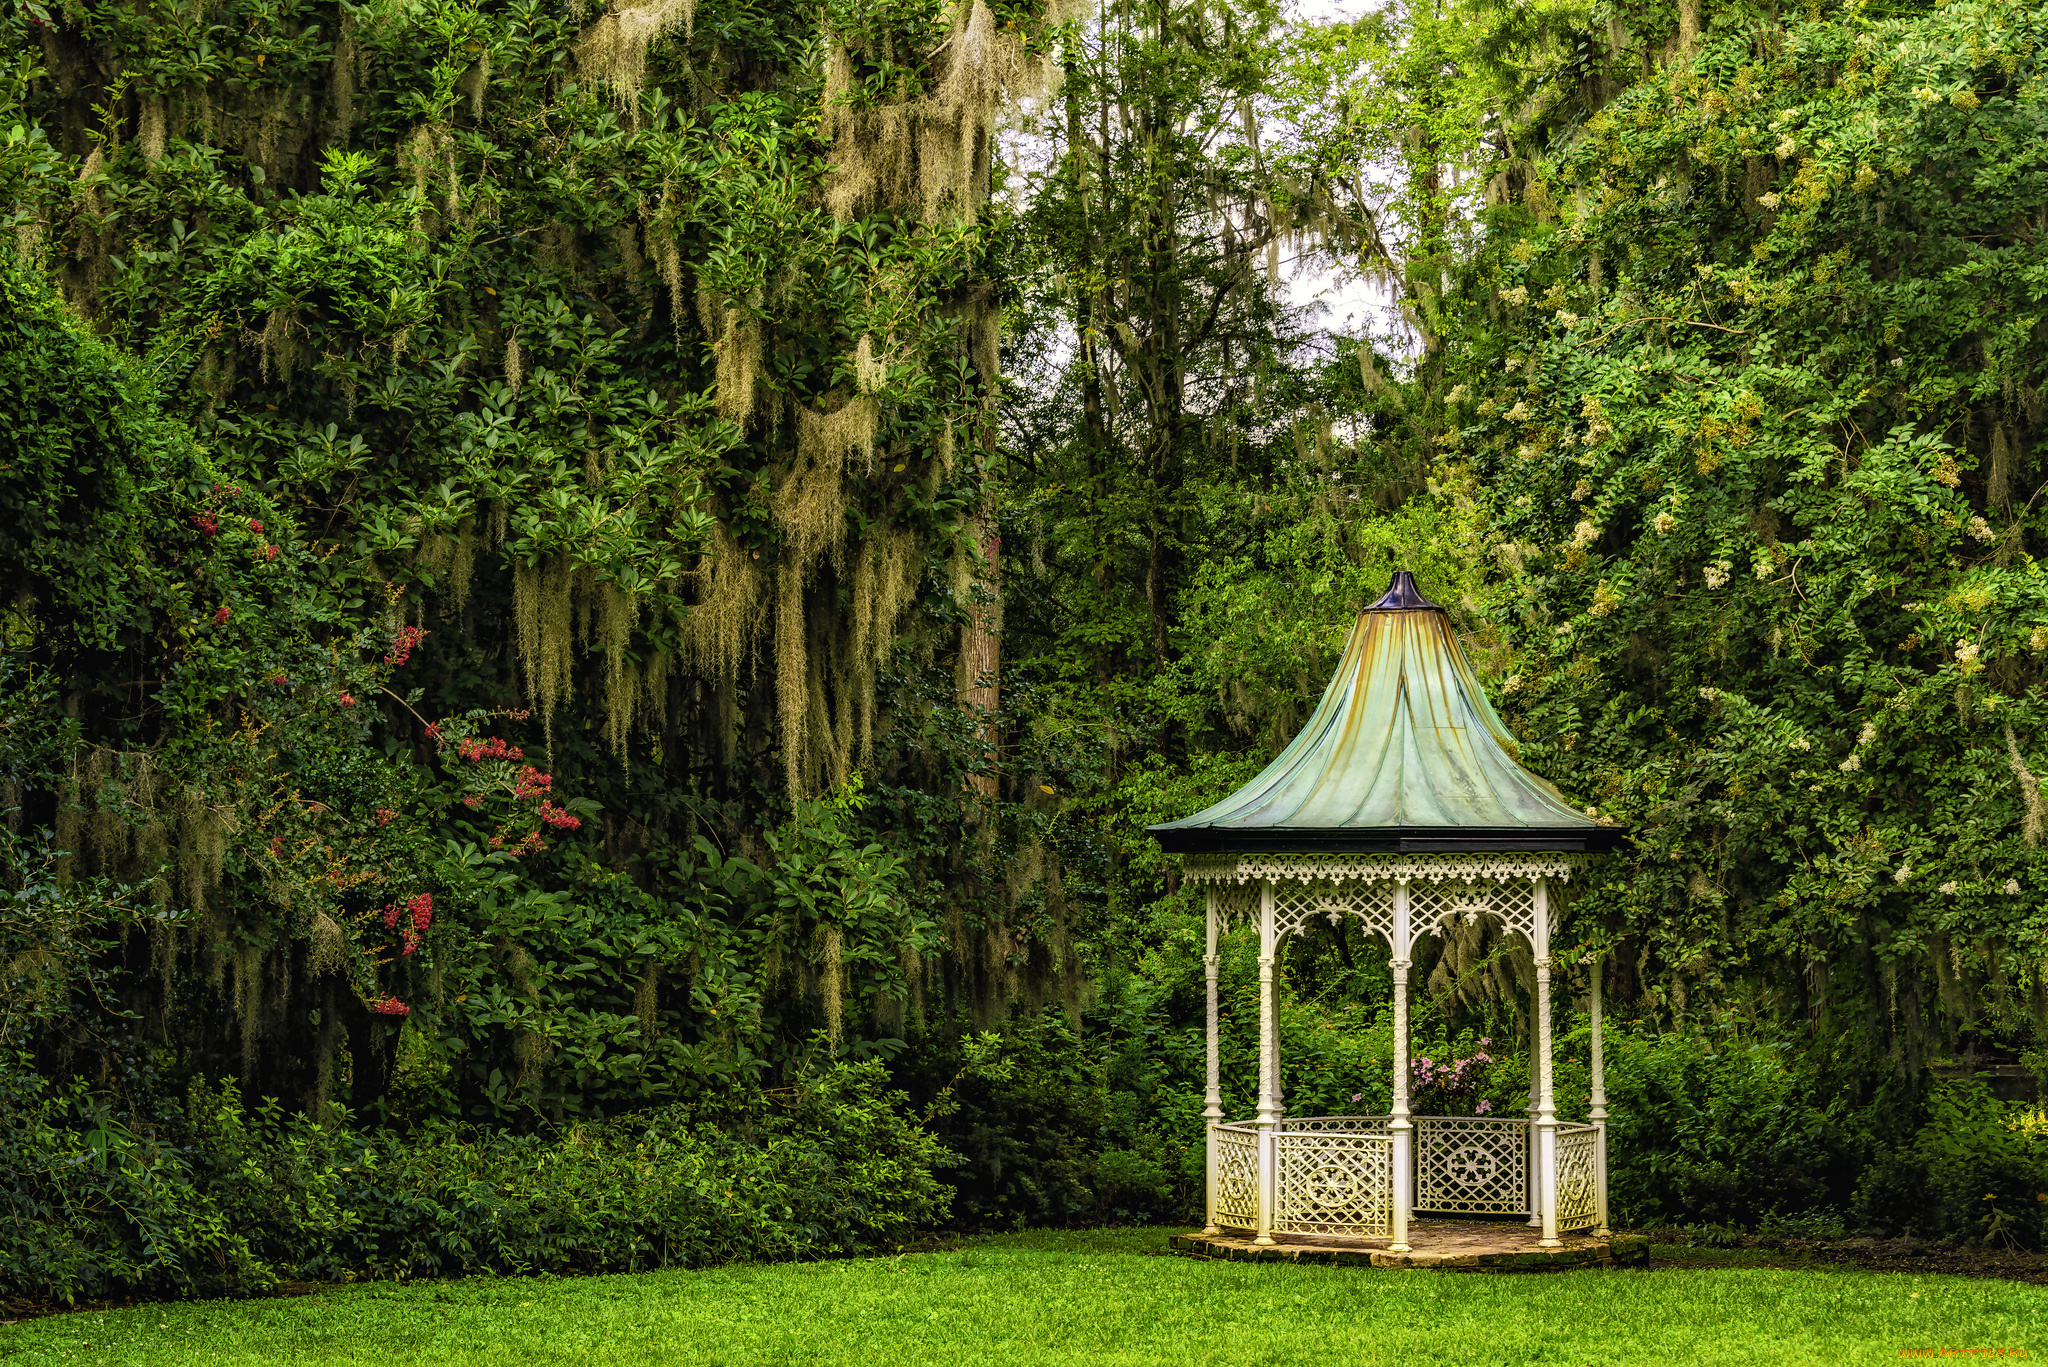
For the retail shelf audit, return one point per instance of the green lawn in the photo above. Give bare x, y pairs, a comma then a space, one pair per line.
1074, 1299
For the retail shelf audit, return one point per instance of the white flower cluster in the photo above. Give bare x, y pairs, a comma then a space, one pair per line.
1966, 653
1867, 734
1926, 96
1585, 533
2012, 885
2039, 640
1717, 573
1568, 318
1764, 567
1905, 872
1788, 146
1520, 412
1663, 522
1801, 744
1769, 201
1711, 694
1948, 889
1980, 530
1518, 295
1851, 764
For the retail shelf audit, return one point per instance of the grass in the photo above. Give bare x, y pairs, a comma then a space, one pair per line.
1084, 1299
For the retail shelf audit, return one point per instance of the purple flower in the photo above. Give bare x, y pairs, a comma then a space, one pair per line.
1484, 1107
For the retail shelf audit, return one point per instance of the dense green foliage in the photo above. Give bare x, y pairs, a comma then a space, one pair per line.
208, 1196
538, 609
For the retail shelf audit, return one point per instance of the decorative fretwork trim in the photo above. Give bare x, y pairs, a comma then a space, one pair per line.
1373, 868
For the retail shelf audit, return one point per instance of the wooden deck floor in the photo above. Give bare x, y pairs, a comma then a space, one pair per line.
1464, 1245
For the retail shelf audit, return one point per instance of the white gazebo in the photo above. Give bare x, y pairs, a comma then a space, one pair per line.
1400, 804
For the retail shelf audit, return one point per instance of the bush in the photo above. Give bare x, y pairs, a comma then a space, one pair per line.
1716, 1132
1972, 1175
216, 1197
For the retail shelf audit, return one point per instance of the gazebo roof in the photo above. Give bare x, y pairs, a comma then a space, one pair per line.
1403, 754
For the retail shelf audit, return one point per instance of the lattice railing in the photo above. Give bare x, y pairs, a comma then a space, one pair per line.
1372, 1126
1334, 1183
1471, 1165
1237, 1177
1578, 1176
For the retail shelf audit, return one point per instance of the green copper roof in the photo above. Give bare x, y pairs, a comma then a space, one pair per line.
1403, 753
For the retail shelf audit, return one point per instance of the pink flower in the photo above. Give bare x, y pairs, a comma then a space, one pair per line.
391, 916
205, 523
221, 618
384, 815
1358, 1096
1484, 1107
401, 649
347, 700
390, 1006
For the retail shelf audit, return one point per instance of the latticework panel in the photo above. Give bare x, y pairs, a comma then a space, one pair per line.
1432, 906
1372, 1126
1236, 904
1296, 905
1237, 1178
1471, 1165
1334, 1184
1578, 1176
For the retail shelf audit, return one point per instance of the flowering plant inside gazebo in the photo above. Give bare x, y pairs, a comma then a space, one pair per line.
1400, 805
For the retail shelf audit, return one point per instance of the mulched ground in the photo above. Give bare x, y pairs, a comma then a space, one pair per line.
1681, 1248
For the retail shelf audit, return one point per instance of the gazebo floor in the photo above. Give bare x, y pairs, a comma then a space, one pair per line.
1454, 1245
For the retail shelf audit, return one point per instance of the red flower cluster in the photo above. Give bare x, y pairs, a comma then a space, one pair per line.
390, 1006
347, 700
221, 618
433, 733
391, 916
255, 526
384, 815
281, 681
531, 782
270, 552
205, 523
421, 905
475, 750
558, 817
401, 649
473, 801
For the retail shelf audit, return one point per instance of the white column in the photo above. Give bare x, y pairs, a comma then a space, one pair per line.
1546, 1104
1212, 1095
1399, 1128
1532, 1165
1599, 1112
1269, 1070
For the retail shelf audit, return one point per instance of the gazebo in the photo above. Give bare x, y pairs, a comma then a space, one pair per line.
1401, 804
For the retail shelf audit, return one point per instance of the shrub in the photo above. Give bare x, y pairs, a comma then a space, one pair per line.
1716, 1131
1970, 1175
215, 1196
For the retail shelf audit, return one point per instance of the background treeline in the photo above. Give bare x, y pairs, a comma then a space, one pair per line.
598, 601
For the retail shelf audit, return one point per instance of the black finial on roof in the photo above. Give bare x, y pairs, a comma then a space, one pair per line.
1403, 596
